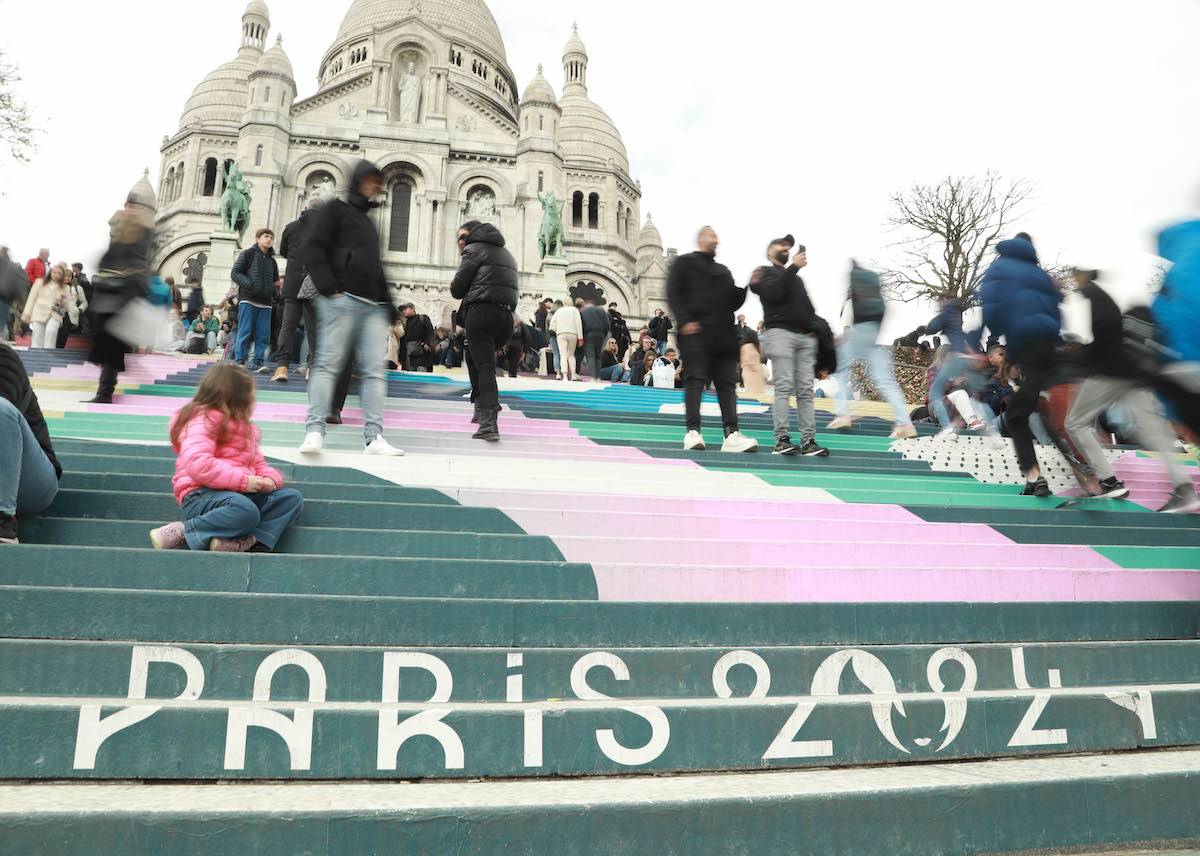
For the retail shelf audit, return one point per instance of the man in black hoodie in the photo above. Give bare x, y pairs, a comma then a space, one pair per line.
487, 283
1116, 381
703, 298
29, 471
291, 247
791, 343
353, 312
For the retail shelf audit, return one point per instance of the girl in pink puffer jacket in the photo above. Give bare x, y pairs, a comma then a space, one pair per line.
233, 501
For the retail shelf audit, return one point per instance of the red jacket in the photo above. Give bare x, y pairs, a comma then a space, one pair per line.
36, 269
201, 464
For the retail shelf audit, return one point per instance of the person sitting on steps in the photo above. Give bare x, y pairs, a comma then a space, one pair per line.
29, 472
232, 500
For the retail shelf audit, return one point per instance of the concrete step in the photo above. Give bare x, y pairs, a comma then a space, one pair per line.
48, 668
271, 619
949, 809
312, 490
364, 576
195, 739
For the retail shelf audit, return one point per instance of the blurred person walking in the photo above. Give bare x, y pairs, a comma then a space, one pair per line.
597, 325
354, 311
487, 284
703, 298
297, 306
12, 293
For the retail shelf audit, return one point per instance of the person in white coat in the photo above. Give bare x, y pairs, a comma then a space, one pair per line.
567, 327
46, 306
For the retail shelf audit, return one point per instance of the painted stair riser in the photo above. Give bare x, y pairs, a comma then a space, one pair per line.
264, 619
198, 741
100, 669
312, 490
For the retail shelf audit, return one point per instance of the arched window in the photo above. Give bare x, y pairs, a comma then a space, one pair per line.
620, 219
401, 214
210, 177
283, 98
267, 96
258, 155
168, 186
541, 182
630, 224
179, 180
577, 210
541, 122
594, 211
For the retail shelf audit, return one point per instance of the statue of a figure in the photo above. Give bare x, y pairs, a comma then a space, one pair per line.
410, 95
481, 204
235, 201
550, 238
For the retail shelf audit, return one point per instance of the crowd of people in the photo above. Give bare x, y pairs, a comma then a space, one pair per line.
1015, 374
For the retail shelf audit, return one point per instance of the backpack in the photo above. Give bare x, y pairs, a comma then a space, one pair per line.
1142, 342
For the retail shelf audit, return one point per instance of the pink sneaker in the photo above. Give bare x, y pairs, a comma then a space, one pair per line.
240, 545
169, 537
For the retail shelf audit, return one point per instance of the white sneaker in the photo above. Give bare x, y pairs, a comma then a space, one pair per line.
947, 434
381, 448
314, 444
737, 442
842, 423
693, 442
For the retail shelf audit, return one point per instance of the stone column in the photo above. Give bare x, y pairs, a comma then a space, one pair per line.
223, 252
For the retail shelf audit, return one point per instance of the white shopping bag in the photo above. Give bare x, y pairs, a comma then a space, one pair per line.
138, 323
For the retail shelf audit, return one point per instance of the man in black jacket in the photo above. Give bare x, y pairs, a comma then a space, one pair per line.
703, 298
487, 283
1117, 381
596, 327
619, 331
660, 327
29, 471
353, 311
291, 247
791, 344
256, 273
420, 337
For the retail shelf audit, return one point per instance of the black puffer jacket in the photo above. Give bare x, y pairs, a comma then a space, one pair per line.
14, 386
291, 247
785, 301
488, 272
255, 273
701, 290
342, 252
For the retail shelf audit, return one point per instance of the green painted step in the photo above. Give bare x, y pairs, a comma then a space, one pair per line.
959, 809
1151, 558
714, 436
880, 482
53, 668
312, 490
117, 505
309, 540
115, 568
264, 619
1128, 536
192, 740
1016, 518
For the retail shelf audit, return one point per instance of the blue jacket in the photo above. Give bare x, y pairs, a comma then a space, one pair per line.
949, 322
1177, 308
1020, 300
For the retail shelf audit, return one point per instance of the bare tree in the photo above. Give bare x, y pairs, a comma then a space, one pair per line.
947, 231
16, 121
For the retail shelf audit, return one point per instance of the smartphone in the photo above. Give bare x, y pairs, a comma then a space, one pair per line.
801, 249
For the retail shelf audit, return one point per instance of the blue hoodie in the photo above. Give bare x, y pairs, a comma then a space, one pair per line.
1177, 308
1020, 301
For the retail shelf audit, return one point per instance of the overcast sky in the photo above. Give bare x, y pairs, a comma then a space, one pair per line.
783, 117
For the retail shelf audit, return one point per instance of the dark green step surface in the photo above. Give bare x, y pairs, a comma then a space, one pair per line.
187, 740
117, 505
1054, 517
310, 540
50, 613
1150, 558
53, 668
965, 809
161, 484
115, 568
164, 466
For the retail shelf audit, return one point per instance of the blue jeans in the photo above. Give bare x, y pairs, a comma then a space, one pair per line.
862, 343
557, 355
28, 483
615, 374
209, 514
347, 325
253, 322
957, 365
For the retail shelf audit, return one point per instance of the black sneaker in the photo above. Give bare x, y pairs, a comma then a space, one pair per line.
1039, 488
8, 530
1183, 501
785, 446
812, 450
1112, 488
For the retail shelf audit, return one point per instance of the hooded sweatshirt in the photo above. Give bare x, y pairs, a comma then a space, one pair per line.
342, 252
1177, 307
487, 272
1020, 300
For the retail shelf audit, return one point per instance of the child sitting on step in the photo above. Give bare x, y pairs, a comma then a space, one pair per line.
233, 502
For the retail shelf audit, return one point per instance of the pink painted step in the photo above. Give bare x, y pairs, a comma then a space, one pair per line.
635, 524
679, 584
801, 553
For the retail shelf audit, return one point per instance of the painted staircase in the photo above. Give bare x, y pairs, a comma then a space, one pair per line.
584, 640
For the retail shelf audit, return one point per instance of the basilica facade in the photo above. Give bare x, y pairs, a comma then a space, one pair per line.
422, 89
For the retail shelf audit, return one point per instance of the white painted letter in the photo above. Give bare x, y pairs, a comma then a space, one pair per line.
533, 718
606, 739
956, 703
393, 734
762, 673
297, 731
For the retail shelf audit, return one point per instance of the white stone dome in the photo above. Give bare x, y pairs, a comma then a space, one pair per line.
257, 7
587, 135
650, 237
275, 61
468, 21
221, 96
539, 90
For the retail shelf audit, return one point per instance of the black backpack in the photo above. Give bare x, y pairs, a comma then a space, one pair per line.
1142, 342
